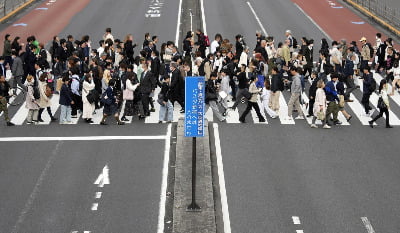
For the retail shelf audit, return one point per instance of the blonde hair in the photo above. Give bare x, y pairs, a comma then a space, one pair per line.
320, 83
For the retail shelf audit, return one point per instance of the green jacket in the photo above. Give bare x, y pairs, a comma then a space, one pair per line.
7, 48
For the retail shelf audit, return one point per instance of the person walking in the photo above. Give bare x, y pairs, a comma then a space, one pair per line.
368, 89
166, 107
65, 101
252, 102
385, 106
110, 104
4, 90
45, 98
265, 97
320, 105
332, 99
212, 96
88, 108
30, 102
295, 89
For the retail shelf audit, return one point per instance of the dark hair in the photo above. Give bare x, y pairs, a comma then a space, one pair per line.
6, 36
154, 37
111, 82
108, 30
383, 82
334, 75
276, 69
367, 68
213, 74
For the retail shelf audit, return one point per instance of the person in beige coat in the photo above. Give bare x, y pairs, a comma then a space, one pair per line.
30, 103
45, 98
88, 108
320, 104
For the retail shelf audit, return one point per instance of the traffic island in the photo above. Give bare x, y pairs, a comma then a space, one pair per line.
186, 220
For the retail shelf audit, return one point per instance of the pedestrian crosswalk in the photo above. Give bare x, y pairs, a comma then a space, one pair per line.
19, 113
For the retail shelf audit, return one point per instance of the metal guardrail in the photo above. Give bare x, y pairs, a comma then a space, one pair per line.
7, 6
381, 9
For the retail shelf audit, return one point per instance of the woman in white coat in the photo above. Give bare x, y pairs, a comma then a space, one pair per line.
88, 108
320, 105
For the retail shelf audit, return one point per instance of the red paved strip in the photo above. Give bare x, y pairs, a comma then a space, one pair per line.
44, 24
337, 22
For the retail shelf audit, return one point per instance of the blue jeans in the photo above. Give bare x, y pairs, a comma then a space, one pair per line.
65, 115
170, 112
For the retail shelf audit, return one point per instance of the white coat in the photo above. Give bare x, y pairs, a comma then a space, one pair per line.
88, 108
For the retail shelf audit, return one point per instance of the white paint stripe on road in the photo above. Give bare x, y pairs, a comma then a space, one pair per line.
98, 195
203, 17
36, 189
296, 220
258, 19
367, 225
326, 34
95, 206
222, 189
164, 182
283, 111
88, 138
299, 231
20, 117
178, 24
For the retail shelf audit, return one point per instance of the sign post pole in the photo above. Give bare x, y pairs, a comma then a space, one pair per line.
194, 124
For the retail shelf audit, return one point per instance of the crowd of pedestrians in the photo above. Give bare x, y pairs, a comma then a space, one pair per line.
121, 76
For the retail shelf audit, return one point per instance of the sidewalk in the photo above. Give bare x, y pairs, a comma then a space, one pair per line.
9, 8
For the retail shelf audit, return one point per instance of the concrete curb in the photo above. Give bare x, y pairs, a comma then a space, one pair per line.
23, 6
373, 16
193, 222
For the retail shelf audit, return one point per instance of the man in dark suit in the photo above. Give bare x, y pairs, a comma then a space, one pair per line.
147, 86
176, 87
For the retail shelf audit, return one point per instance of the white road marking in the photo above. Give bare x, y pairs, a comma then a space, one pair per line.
396, 96
367, 225
326, 34
86, 231
88, 138
154, 116
164, 182
232, 116
178, 24
203, 17
296, 220
283, 111
98, 195
222, 189
258, 19
95, 206
299, 231
20, 117
103, 178
36, 189
54, 107
256, 120
209, 115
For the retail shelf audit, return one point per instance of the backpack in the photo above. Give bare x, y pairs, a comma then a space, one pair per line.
371, 50
207, 41
294, 43
372, 86
201, 68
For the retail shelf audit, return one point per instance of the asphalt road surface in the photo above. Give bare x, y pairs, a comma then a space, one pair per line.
280, 177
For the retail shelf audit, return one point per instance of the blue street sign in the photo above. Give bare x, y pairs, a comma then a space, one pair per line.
194, 106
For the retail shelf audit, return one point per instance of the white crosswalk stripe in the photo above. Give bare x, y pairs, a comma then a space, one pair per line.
19, 117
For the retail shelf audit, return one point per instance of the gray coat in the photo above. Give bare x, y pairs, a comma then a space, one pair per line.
17, 68
296, 84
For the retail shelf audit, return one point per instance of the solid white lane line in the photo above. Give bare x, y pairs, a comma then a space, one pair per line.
367, 225
221, 176
36, 189
178, 24
296, 220
88, 138
326, 34
164, 182
95, 206
299, 231
98, 195
203, 17
258, 19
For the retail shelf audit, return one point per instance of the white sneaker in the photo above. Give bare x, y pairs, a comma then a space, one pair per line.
275, 116
326, 127
299, 118
314, 126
